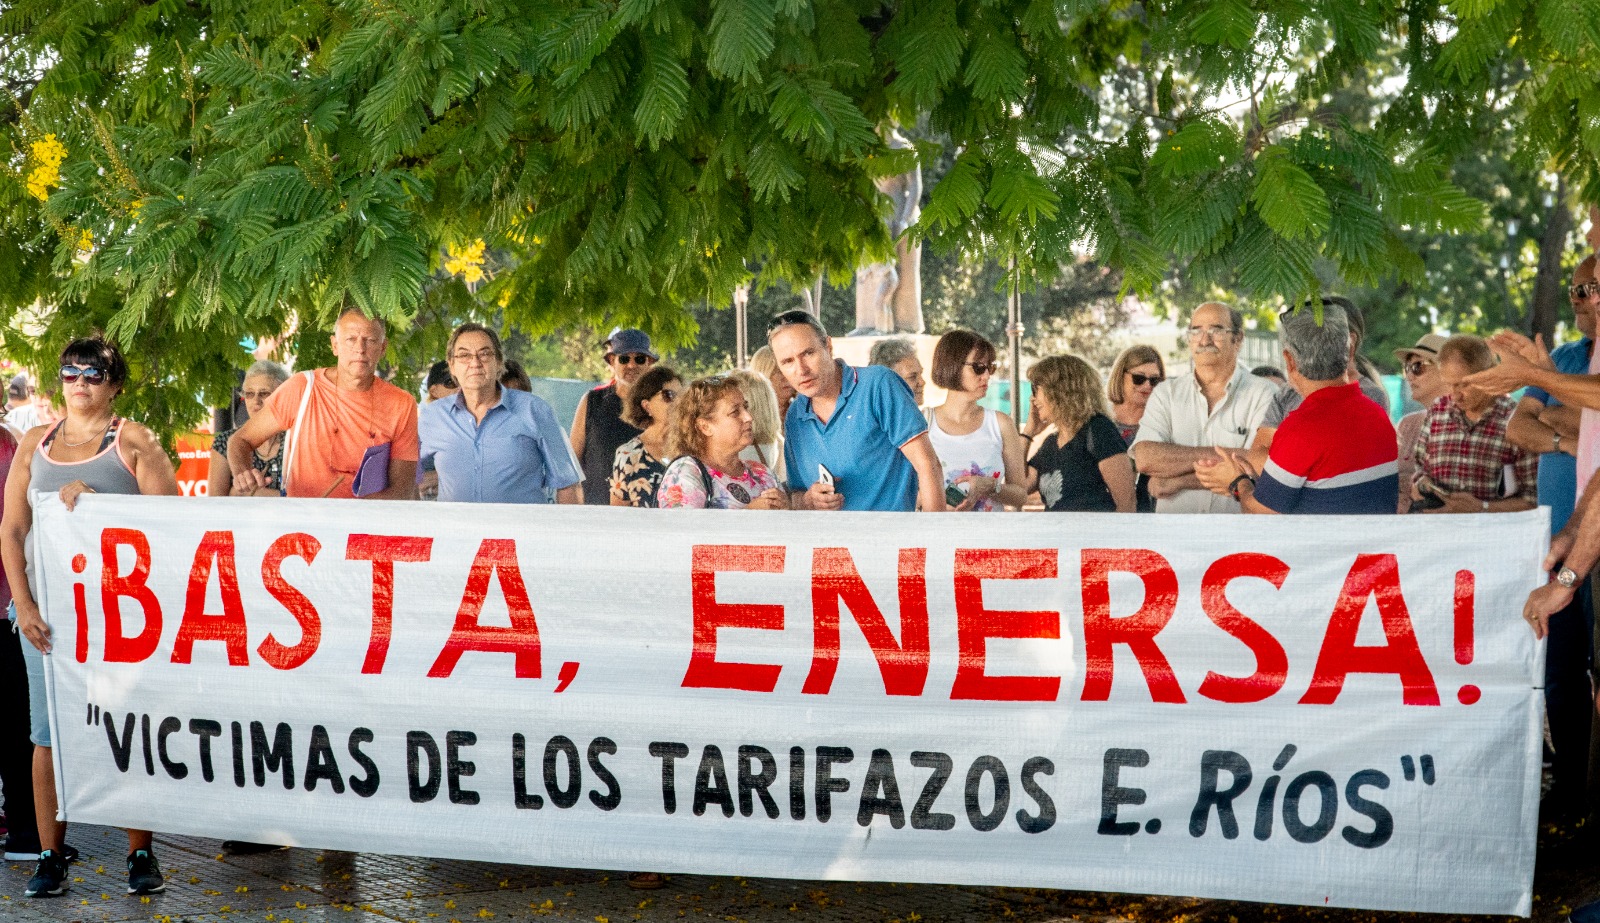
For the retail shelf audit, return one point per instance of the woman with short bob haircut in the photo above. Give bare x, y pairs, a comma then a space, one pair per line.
91, 450
979, 449
710, 426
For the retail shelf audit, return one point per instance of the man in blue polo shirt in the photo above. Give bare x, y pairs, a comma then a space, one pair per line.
1336, 452
860, 425
1546, 426
492, 444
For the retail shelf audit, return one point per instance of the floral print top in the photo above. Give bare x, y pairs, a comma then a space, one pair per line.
272, 467
635, 474
683, 486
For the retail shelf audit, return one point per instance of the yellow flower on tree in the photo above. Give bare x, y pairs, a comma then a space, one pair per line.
47, 155
466, 262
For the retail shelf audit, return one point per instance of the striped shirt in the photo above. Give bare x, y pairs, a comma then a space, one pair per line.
1459, 455
1333, 454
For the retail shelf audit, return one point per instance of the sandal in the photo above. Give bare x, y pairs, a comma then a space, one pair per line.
646, 881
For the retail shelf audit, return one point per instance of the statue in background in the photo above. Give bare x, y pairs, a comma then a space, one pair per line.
889, 294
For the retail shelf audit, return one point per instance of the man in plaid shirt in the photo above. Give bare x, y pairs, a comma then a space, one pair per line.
1463, 454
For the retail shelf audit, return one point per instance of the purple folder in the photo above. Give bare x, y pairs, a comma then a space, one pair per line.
373, 475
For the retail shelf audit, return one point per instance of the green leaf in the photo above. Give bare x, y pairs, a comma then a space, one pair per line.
1269, 264
1287, 198
741, 37
996, 69
1589, 121
957, 196
664, 90
1018, 192
1225, 22
1199, 146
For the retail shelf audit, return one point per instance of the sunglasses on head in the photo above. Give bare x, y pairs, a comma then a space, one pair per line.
1417, 366
635, 358
1145, 379
788, 318
981, 368
71, 373
1583, 290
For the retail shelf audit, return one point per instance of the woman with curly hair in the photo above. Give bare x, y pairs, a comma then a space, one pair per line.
642, 460
711, 424
1083, 466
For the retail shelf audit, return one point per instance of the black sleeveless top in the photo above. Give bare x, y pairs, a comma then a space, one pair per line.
604, 433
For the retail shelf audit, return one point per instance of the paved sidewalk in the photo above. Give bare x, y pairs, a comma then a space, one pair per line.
310, 886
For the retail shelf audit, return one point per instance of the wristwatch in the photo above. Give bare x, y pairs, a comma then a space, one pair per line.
1566, 576
1555, 442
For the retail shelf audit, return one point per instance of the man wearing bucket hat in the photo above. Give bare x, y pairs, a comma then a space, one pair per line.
1420, 366
598, 429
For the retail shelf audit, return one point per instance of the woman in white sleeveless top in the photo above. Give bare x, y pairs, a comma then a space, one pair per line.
979, 450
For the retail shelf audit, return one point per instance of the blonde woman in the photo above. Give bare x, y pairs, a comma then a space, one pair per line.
1083, 466
710, 426
1133, 377
767, 424
763, 363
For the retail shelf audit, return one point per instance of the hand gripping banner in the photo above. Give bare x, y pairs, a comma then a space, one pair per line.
1307, 710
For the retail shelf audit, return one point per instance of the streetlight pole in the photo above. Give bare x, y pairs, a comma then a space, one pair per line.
1014, 342
741, 336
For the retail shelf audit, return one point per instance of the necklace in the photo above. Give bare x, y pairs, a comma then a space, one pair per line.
97, 433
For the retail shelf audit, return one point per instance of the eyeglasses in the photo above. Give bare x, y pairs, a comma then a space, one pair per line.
91, 375
1583, 290
255, 395
1139, 380
1212, 332
981, 368
635, 358
1417, 366
483, 356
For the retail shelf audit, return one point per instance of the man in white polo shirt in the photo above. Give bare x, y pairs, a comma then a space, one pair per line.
1217, 403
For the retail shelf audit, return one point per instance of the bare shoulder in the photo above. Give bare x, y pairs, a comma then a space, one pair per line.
32, 438
140, 438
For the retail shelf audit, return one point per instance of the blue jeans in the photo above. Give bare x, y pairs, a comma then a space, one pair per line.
38, 707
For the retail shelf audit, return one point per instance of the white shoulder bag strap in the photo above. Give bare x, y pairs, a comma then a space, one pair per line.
292, 441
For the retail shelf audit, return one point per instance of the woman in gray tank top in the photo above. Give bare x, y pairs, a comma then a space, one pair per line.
92, 450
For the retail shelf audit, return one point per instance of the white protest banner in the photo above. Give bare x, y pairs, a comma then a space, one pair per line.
1315, 710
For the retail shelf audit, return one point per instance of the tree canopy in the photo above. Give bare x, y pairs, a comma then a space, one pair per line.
188, 174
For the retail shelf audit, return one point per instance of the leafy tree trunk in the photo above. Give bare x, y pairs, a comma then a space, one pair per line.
1545, 306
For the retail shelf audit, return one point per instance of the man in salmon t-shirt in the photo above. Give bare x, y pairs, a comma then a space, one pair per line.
349, 411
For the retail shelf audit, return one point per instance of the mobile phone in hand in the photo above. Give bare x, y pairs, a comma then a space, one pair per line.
826, 476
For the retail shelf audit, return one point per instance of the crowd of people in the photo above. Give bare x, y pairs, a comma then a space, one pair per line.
802, 430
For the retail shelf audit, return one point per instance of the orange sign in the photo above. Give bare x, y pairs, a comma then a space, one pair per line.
194, 464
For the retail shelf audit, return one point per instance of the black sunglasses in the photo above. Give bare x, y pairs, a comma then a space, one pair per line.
635, 358
981, 368
1583, 289
1416, 367
1145, 379
71, 373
